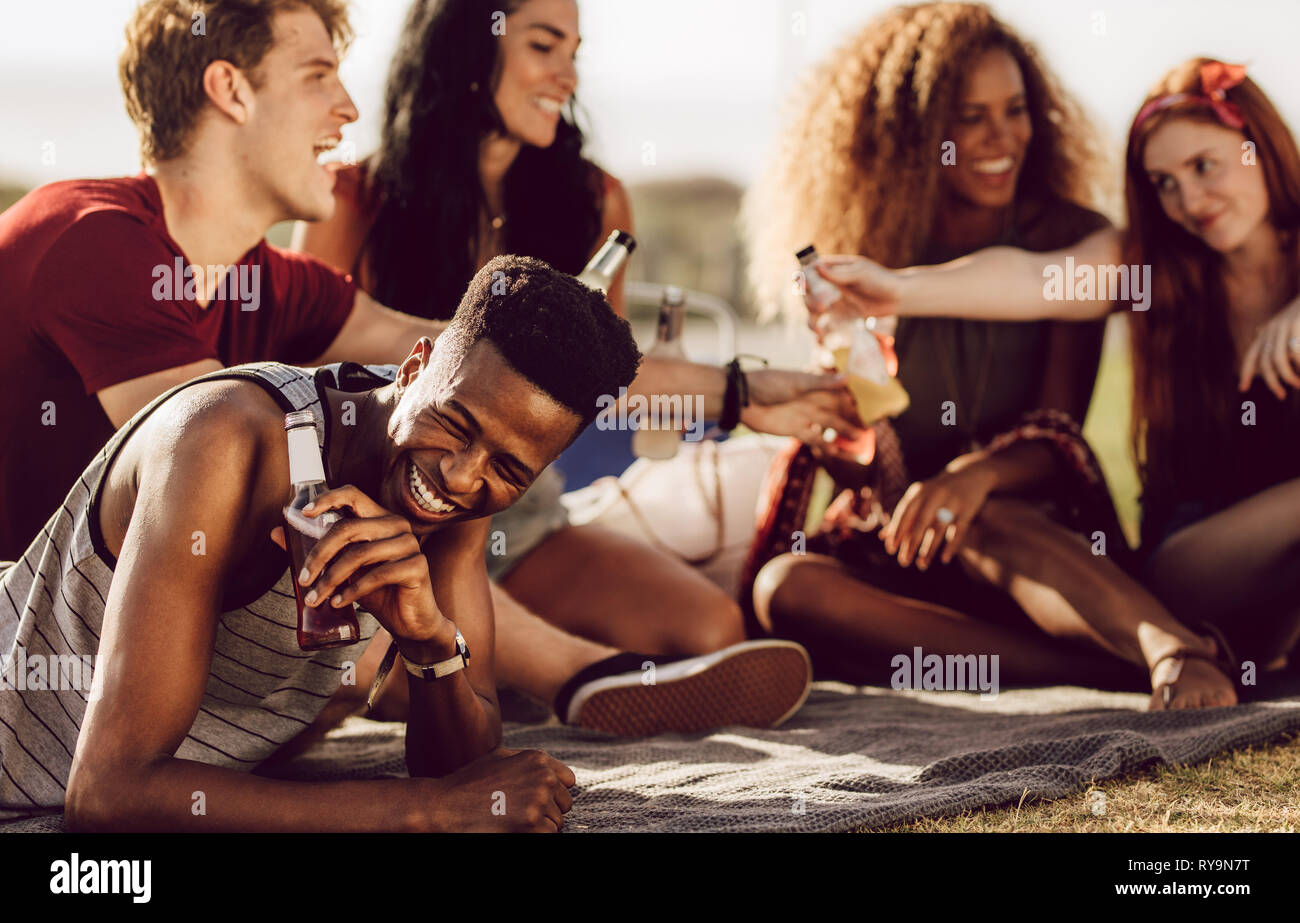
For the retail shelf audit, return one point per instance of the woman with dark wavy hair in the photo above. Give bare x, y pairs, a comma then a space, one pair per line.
932, 133
480, 154
1212, 257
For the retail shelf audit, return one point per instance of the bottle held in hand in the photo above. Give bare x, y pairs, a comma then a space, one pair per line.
855, 352
321, 626
851, 346
819, 292
659, 439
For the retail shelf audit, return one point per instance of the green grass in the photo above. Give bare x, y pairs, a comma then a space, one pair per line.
1248, 790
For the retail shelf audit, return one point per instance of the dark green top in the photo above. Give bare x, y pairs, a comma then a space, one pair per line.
1018, 355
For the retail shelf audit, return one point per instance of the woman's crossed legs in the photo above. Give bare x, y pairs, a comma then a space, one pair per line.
1088, 622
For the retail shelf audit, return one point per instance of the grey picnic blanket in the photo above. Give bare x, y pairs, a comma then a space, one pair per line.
853, 758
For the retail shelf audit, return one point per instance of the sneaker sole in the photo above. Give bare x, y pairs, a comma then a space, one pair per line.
753, 684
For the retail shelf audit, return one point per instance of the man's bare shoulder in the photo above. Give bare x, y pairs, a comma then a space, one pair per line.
217, 444
220, 421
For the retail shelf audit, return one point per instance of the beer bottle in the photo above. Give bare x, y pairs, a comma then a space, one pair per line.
609, 259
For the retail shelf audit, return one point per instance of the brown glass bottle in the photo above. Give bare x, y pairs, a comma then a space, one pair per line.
321, 626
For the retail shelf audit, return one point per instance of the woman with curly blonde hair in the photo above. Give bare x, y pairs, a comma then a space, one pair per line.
981, 525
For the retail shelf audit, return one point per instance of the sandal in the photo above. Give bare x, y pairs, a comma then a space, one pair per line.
1221, 658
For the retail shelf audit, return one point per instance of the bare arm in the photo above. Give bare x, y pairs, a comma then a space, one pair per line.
782, 402
123, 400
439, 737
207, 473
375, 559
376, 334
371, 334
998, 283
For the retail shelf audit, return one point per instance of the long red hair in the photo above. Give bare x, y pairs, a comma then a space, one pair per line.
1184, 399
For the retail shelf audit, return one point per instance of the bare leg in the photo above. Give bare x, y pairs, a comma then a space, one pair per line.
620, 592
1240, 570
853, 630
1072, 594
1051, 574
534, 656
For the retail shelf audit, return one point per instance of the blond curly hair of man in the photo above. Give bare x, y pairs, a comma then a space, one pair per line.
857, 168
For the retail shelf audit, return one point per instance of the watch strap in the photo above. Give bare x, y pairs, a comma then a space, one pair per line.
452, 664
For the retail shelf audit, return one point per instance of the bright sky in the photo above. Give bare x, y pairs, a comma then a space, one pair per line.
700, 80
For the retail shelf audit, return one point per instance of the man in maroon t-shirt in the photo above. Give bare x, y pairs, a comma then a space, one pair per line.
117, 289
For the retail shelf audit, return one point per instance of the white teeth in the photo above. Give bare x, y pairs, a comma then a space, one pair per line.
323, 147
1000, 165
424, 495
546, 104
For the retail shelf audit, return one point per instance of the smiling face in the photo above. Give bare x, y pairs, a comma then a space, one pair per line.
536, 68
1197, 170
992, 131
297, 111
467, 437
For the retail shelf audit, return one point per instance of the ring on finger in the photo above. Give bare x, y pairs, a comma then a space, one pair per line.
945, 515
829, 434
1294, 344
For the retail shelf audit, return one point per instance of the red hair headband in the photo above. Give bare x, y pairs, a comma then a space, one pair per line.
1217, 79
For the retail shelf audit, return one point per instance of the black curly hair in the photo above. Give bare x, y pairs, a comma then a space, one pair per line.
552, 329
437, 108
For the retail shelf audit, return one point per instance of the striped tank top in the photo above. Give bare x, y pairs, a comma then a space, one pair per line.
262, 689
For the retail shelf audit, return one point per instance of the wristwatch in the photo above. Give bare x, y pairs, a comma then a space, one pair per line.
452, 664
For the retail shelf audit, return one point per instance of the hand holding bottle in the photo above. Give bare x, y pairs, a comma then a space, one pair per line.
852, 347
800, 404
375, 560
866, 288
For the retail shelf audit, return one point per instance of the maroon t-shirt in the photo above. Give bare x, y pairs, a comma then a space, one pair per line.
93, 293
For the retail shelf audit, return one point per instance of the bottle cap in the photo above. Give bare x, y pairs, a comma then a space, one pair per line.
807, 254
624, 238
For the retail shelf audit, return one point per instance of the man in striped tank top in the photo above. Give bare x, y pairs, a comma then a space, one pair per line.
163, 565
